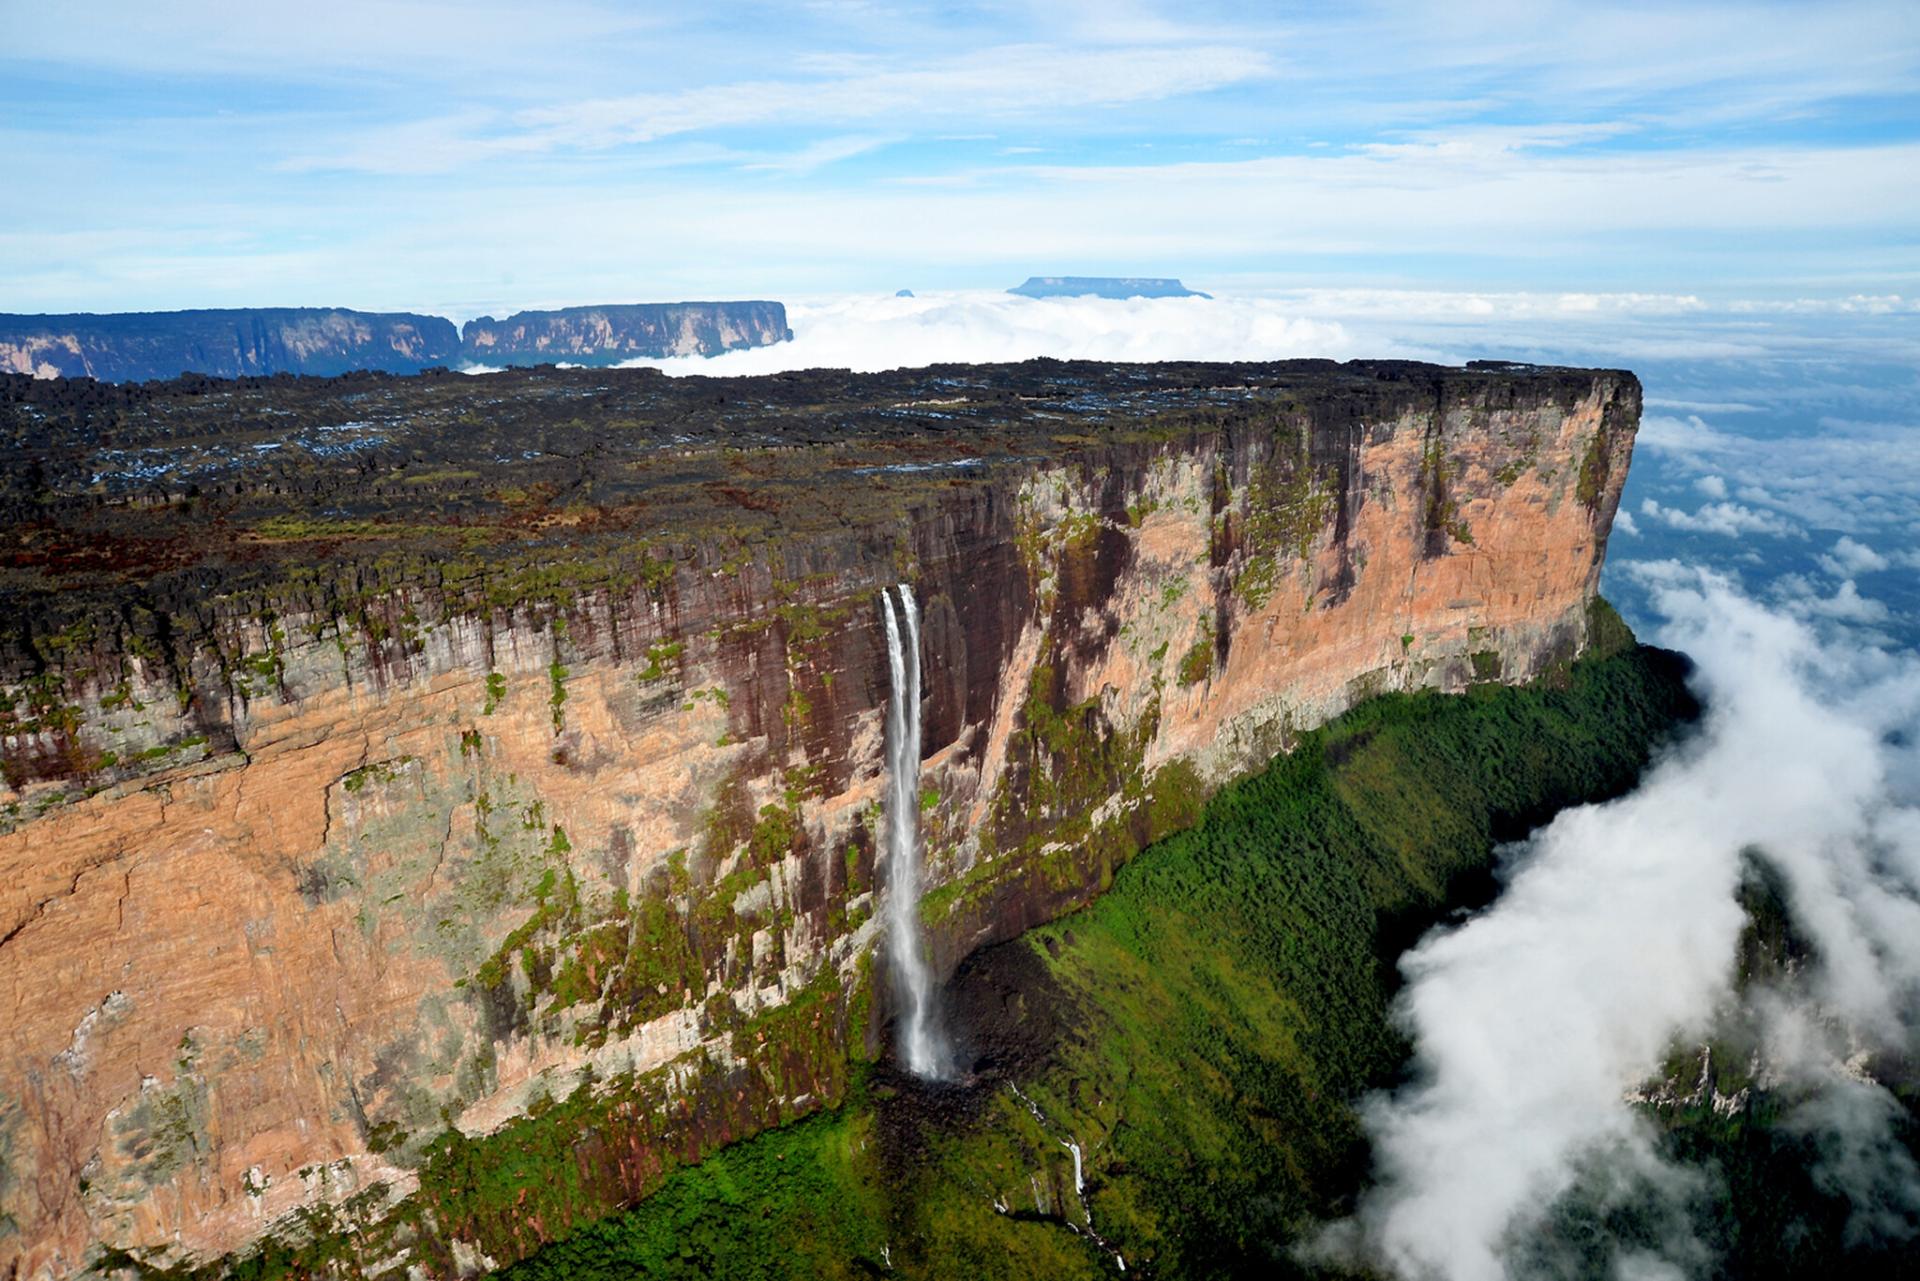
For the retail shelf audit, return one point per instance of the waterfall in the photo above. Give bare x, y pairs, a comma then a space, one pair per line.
923, 1048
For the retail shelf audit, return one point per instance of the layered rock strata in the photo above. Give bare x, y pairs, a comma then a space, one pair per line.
606, 335
256, 341
223, 343
373, 847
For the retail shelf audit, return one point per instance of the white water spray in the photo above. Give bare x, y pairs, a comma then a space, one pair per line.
924, 1049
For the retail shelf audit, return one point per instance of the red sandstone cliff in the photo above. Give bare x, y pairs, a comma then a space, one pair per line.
425, 879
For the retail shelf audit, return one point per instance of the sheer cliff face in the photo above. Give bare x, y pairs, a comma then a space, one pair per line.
142, 346
610, 334
375, 918
136, 346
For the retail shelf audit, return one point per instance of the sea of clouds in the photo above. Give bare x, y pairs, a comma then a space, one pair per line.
867, 333
1614, 941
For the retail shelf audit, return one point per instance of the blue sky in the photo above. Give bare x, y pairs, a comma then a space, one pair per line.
481, 156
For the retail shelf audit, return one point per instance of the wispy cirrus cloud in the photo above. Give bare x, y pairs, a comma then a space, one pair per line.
1004, 82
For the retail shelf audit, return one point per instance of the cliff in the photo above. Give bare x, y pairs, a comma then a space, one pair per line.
417, 787
608, 335
136, 346
1169, 1077
1104, 287
144, 346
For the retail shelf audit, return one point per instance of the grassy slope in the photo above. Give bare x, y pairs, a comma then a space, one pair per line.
1212, 1018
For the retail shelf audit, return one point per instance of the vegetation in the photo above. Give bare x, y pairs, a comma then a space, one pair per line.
1595, 465
1442, 503
1289, 502
1197, 663
802, 1201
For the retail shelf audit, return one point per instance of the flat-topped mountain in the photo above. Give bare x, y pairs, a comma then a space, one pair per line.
607, 335
239, 342
434, 809
1104, 287
135, 346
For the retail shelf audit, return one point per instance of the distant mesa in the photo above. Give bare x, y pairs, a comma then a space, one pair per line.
1105, 287
232, 342
137, 346
608, 335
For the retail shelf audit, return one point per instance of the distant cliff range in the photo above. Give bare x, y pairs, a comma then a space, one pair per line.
229, 342
1105, 287
606, 335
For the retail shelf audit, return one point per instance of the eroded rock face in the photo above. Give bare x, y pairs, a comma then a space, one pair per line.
436, 931
254, 341
226, 343
610, 334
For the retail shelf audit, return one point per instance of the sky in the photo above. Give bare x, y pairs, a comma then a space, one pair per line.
474, 157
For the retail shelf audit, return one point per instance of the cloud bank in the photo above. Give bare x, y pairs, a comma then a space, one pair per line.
1853, 477
1614, 942
869, 333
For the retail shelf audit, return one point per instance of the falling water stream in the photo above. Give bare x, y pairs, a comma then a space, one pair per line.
922, 1046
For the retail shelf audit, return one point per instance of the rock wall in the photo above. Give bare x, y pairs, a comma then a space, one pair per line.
137, 346
240, 342
396, 921
609, 334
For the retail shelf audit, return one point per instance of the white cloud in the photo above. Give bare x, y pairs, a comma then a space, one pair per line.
1614, 941
1857, 478
1624, 523
884, 332
1702, 406
981, 84
1711, 486
1507, 186
1800, 596
1850, 558
1730, 520
826, 151
1490, 304
1851, 304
